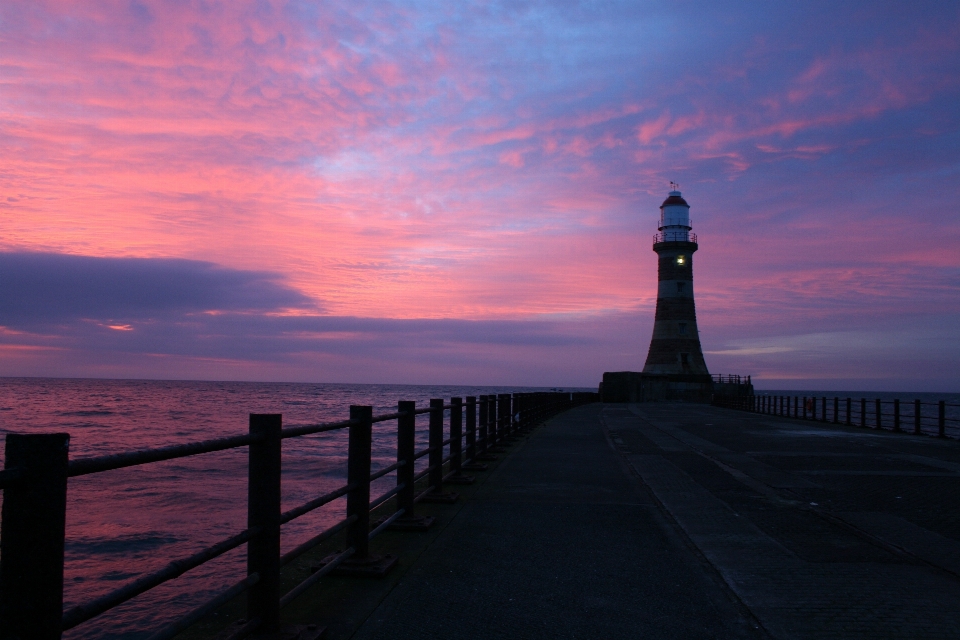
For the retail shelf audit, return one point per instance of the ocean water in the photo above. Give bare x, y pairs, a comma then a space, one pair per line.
123, 523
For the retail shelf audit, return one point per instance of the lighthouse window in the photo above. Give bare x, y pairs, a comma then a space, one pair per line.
681, 260
683, 328
684, 359
680, 286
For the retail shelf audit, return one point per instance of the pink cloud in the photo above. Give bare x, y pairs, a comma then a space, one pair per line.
399, 162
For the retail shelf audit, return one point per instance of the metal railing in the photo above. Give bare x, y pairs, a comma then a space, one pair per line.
917, 417
720, 378
674, 236
37, 470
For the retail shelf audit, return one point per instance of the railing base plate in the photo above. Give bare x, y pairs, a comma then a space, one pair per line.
373, 566
441, 498
413, 523
474, 466
285, 632
459, 479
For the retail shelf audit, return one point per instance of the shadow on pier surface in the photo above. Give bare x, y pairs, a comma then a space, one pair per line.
690, 521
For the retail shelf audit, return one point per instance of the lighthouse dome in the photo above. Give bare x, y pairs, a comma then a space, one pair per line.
675, 217
673, 199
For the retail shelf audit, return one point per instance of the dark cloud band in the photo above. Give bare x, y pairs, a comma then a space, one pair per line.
48, 288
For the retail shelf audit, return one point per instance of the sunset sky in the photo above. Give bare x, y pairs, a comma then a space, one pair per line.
457, 192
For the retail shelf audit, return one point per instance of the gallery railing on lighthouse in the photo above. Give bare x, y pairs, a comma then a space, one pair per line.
939, 418
37, 470
674, 236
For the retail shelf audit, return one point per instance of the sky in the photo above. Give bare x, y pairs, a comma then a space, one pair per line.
465, 193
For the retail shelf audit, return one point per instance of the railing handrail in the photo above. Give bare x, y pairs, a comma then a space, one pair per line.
113, 461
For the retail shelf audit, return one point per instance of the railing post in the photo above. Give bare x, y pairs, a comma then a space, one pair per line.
518, 410
436, 493
471, 427
474, 453
836, 410
484, 432
263, 512
505, 416
878, 411
32, 535
376, 565
942, 419
406, 450
804, 407
456, 475
358, 477
456, 434
916, 417
863, 412
492, 420
823, 411
436, 445
518, 400
896, 415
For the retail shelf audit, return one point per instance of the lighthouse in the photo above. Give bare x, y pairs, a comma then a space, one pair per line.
674, 370
675, 345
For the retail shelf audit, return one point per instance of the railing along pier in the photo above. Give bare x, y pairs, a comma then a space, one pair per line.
923, 418
35, 482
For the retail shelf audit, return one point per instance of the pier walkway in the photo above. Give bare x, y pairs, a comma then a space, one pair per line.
689, 521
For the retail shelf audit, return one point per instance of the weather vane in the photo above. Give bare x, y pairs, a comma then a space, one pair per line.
674, 186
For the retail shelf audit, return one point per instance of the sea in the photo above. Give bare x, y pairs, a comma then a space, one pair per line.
124, 523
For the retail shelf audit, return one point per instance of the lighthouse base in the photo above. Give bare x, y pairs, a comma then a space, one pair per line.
633, 386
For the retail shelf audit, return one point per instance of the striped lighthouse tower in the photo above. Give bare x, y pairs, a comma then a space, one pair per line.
675, 346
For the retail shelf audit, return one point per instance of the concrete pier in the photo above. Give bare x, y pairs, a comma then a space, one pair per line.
689, 521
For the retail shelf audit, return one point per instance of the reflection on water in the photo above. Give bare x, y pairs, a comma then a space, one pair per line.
123, 523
